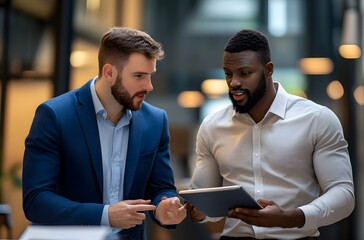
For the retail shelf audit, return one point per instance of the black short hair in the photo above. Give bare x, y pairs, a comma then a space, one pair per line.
248, 39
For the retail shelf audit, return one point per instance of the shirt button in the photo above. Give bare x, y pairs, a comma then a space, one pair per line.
256, 127
257, 154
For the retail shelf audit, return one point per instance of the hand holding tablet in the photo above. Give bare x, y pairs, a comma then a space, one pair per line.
217, 201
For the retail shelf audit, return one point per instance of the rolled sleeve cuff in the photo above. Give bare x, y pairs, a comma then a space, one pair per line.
311, 220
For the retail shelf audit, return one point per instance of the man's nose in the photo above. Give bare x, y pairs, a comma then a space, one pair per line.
235, 81
149, 85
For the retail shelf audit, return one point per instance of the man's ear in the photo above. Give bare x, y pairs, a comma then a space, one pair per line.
109, 72
269, 69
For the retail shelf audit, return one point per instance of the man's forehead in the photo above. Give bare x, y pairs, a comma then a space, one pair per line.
240, 58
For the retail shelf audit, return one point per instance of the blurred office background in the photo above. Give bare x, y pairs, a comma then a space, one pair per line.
48, 47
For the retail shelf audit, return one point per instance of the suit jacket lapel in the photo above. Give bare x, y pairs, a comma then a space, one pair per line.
132, 157
87, 117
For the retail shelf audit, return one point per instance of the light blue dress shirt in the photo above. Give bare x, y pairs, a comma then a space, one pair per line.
114, 143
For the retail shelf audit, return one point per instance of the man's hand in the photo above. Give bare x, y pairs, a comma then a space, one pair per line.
195, 214
270, 216
129, 213
170, 211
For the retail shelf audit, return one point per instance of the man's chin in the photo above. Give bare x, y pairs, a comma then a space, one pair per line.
137, 106
240, 109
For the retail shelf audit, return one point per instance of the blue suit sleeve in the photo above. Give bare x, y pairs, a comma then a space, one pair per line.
45, 200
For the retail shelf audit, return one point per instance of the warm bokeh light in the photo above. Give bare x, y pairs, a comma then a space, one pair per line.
214, 88
316, 66
350, 51
92, 5
359, 95
335, 90
349, 47
79, 58
190, 99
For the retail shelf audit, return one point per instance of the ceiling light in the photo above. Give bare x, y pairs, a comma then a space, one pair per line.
349, 47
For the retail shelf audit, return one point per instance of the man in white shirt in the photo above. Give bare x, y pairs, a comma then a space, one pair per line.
288, 152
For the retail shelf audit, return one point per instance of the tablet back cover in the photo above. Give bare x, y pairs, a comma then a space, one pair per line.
216, 202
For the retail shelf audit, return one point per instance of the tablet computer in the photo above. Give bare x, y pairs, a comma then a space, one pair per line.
217, 201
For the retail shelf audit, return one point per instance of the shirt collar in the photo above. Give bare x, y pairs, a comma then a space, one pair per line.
279, 104
99, 109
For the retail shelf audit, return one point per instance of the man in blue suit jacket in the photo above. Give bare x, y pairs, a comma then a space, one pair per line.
99, 155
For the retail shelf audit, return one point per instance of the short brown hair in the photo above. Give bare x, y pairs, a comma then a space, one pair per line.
119, 42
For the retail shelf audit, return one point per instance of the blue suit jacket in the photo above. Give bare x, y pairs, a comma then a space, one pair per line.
62, 167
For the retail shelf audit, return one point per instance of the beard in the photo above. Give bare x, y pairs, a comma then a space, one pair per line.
253, 97
123, 97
